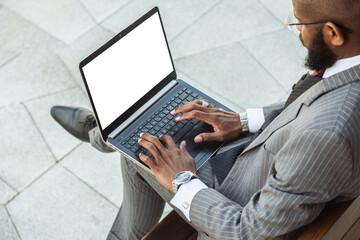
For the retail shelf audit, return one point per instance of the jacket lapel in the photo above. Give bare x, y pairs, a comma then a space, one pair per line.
308, 97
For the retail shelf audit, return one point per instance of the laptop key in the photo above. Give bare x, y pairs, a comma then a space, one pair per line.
152, 132
171, 133
134, 148
128, 146
183, 96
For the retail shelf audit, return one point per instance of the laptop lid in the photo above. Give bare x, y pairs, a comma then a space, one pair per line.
127, 71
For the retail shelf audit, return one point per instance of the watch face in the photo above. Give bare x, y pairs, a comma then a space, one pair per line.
183, 177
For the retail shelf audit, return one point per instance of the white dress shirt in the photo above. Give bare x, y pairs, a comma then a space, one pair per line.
184, 196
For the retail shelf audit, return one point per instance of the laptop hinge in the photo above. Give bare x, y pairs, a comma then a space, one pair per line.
141, 110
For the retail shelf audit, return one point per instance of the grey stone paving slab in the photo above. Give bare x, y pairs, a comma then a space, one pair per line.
100, 170
32, 75
279, 8
59, 140
64, 19
233, 73
18, 34
205, 88
176, 14
6, 193
282, 54
60, 206
102, 9
7, 229
6, 56
81, 48
228, 22
24, 155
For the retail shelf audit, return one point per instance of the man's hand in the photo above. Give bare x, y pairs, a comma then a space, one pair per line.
169, 161
227, 125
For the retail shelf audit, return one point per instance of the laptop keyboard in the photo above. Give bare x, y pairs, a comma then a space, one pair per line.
163, 123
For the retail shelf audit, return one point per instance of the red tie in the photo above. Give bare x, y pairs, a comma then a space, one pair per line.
319, 73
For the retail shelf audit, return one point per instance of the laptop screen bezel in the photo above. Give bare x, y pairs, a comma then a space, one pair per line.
123, 117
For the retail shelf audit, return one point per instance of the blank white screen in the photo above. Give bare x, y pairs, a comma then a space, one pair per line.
126, 71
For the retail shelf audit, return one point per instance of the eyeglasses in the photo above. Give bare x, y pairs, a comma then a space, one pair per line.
294, 25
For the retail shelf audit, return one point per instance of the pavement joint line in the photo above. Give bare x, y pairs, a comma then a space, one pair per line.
10, 60
69, 152
87, 11
208, 89
9, 185
196, 20
16, 230
34, 24
263, 67
38, 129
271, 13
32, 182
46, 95
84, 182
283, 29
115, 12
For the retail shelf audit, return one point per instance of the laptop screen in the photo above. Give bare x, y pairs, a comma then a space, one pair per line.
128, 69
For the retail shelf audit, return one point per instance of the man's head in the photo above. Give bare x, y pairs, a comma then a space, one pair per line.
335, 39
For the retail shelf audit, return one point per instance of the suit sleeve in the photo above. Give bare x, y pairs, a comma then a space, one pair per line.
309, 170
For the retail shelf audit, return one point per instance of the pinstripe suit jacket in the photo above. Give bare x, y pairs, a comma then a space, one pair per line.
308, 156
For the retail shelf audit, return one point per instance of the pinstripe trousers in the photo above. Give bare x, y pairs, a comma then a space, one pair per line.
143, 196
144, 200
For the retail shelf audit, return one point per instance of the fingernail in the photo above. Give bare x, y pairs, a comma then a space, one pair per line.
177, 118
172, 112
140, 154
161, 136
198, 139
141, 135
139, 140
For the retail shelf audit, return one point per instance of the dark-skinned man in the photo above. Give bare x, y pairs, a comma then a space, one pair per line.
305, 155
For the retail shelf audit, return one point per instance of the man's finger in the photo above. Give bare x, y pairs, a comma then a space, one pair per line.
168, 141
147, 160
183, 149
208, 137
154, 140
190, 106
150, 147
206, 117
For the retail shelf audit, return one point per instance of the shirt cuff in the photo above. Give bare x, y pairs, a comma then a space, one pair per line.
255, 119
186, 193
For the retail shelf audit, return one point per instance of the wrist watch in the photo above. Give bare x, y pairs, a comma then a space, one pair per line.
244, 121
182, 178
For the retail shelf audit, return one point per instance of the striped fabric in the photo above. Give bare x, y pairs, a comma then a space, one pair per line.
306, 82
307, 157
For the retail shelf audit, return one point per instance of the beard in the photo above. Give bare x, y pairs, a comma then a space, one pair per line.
319, 55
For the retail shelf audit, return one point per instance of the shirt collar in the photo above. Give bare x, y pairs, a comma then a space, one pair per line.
342, 65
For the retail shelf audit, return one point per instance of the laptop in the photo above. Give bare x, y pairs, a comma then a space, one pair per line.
132, 86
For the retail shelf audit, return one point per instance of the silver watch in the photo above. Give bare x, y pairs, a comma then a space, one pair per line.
244, 121
182, 178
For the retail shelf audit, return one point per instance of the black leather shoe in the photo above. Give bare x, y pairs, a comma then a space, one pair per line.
77, 121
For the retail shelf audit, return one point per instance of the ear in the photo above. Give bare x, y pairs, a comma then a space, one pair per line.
333, 35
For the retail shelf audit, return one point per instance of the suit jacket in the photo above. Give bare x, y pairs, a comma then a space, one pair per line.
308, 156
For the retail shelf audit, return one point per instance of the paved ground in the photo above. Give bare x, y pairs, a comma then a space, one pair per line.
52, 186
